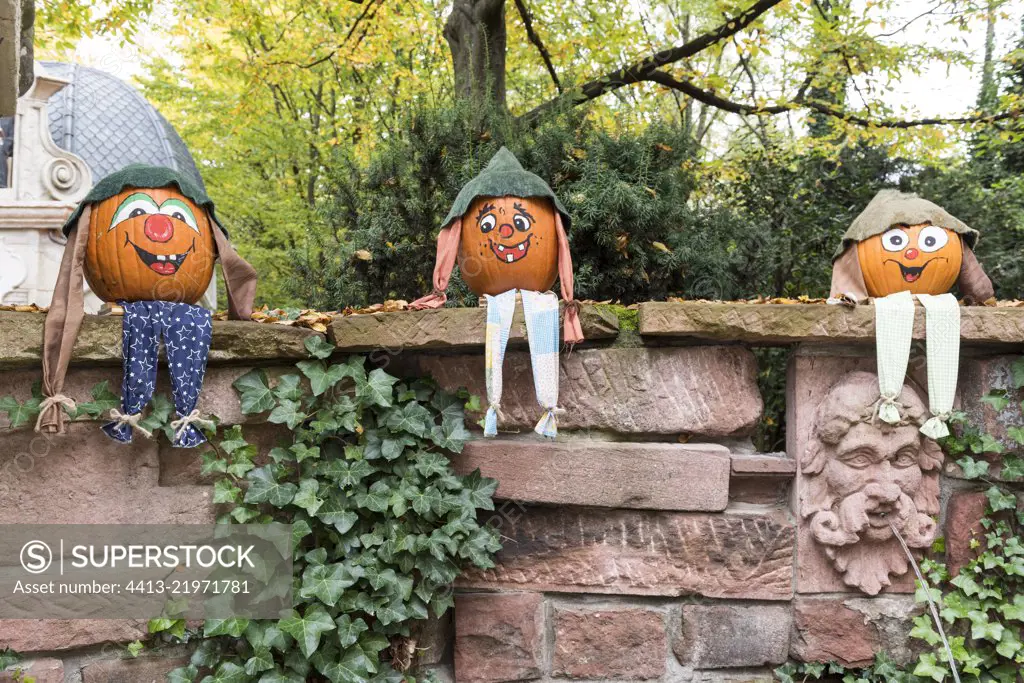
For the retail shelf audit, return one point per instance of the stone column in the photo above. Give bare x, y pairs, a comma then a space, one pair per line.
10, 55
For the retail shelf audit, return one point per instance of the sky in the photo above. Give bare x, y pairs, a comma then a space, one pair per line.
937, 91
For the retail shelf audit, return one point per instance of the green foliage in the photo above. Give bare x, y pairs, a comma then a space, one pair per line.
381, 524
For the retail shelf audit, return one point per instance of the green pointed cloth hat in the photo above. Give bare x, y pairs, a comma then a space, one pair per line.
504, 176
143, 176
892, 207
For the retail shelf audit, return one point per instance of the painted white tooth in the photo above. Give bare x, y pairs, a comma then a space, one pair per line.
161, 257
510, 258
522, 247
501, 248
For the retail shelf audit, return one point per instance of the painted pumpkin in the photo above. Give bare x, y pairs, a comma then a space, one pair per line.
509, 243
920, 259
149, 244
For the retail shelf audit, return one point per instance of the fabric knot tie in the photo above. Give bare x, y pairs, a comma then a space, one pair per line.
935, 428
491, 419
194, 418
548, 424
51, 401
131, 420
888, 409
573, 306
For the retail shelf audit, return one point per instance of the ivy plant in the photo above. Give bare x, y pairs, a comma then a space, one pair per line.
381, 524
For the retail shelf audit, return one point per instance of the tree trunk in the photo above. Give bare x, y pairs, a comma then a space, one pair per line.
475, 32
988, 96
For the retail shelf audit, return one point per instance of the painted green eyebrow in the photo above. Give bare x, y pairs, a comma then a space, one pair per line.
134, 197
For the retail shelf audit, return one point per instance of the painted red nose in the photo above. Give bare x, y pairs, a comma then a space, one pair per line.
159, 228
911, 254
505, 230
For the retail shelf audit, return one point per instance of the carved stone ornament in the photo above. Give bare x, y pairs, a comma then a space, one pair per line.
864, 475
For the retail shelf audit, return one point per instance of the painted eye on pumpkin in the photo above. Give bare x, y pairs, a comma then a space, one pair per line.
137, 204
488, 222
521, 222
895, 239
175, 208
932, 239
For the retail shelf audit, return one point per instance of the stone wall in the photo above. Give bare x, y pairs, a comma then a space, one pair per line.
649, 542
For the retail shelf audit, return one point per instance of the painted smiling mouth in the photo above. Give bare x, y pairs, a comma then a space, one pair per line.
512, 252
163, 264
911, 273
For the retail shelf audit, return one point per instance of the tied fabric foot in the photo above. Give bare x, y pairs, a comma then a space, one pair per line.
121, 427
185, 433
548, 424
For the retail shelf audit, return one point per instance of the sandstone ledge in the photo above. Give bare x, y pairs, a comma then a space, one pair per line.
99, 341
454, 328
776, 324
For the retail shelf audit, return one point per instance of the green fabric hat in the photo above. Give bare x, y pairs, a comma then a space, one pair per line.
504, 176
892, 207
143, 176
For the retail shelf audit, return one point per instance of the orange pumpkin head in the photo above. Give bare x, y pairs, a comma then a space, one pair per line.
920, 259
149, 244
509, 243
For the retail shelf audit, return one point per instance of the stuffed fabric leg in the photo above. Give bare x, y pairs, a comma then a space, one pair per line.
500, 309
894, 326
186, 331
942, 327
541, 313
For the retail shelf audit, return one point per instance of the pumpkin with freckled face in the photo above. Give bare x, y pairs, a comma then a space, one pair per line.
920, 259
509, 243
149, 244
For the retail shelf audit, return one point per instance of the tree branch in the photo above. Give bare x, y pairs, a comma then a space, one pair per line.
524, 12
711, 99
641, 71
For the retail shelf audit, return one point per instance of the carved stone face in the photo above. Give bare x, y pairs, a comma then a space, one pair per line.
866, 478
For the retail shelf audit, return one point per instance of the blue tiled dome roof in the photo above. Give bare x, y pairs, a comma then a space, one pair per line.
110, 124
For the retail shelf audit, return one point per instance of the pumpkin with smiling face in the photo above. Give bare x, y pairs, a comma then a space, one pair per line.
920, 259
508, 243
149, 244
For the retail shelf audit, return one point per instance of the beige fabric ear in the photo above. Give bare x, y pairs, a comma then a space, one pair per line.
848, 278
975, 285
60, 330
239, 277
448, 241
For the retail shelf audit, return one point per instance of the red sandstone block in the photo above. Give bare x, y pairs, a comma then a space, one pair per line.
609, 644
964, 512
47, 635
40, 670
498, 637
851, 630
660, 476
732, 636
142, 670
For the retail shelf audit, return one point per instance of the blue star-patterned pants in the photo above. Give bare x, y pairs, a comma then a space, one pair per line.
185, 330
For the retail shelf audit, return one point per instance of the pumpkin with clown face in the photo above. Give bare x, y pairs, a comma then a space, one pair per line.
149, 244
903, 243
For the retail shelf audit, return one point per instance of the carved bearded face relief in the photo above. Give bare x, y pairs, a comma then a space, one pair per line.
864, 475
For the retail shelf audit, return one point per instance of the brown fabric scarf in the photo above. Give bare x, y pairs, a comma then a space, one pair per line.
67, 311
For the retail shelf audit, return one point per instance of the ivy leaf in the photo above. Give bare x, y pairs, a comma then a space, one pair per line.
306, 630
411, 417
184, 674
335, 511
923, 630
304, 452
288, 387
321, 376
103, 399
425, 500
327, 582
973, 469
264, 488
233, 627
306, 497
376, 500
256, 396
1017, 372
225, 492
318, 347
430, 464
1009, 644
1014, 610
1000, 500
997, 399
349, 629
353, 667
260, 661
300, 529
20, 413
479, 490
278, 676
289, 413
377, 389
228, 672
983, 627
927, 666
